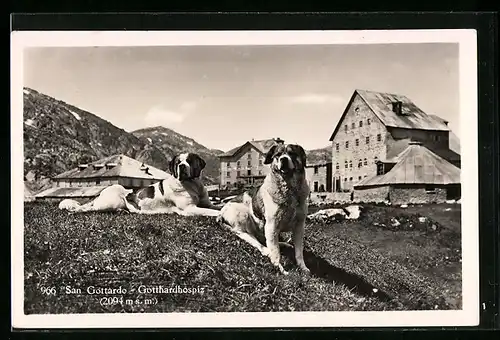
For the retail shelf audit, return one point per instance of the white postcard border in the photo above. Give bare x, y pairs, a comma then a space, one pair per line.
468, 316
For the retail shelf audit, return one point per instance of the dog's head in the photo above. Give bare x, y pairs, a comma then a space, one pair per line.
286, 158
187, 166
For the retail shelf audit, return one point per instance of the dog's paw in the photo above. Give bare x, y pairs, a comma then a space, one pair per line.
265, 251
305, 271
282, 270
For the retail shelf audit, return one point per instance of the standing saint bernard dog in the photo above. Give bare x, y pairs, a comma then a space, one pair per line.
182, 192
278, 205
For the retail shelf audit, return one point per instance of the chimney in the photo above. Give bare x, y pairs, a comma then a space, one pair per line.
279, 140
397, 107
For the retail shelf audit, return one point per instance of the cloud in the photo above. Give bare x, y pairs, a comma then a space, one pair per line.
317, 98
188, 106
158, 115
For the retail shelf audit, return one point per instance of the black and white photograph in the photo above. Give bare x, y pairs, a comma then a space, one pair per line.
244, 179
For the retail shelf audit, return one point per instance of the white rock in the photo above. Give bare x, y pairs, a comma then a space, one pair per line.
404, 205
447, 209
354, 212
395, 222
422, 219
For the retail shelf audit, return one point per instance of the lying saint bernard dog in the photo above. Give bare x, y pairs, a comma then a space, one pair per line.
182, 192
278, 205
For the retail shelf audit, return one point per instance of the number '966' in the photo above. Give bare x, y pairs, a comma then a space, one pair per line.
48, 290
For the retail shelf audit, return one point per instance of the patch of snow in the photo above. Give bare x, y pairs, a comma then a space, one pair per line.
450, 201
354, 212
190, 143
422, 219
75, 115
447, 209
26, 92
99, 144
150, 140
164, 133
404, 205
30, 122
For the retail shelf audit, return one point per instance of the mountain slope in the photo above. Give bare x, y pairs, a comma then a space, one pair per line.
58, 136
319, 155
171, 143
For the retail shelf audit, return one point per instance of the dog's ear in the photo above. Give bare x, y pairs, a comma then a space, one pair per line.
172, 167
197, 164
301, 154
270, 154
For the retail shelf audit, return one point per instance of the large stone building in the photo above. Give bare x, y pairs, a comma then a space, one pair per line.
417, 175
378, 126
244, 164
319, 177
88, 180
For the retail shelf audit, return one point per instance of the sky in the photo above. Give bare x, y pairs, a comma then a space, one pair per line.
223, 96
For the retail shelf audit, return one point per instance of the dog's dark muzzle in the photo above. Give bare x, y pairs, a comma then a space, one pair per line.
184, 172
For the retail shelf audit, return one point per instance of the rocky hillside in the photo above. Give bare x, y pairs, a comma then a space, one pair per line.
58, 136
171, 143
319, 155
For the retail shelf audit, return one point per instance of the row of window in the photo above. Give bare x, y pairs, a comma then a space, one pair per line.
353, 125
350, 178
356, 142
238, 173
249, 163
361, 162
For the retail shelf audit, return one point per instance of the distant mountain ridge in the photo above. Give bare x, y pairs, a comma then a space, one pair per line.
172, 143
58, 136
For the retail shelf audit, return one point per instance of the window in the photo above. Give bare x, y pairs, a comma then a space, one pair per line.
368, 140
345, 127
346, 166
379, 137
365, 176
228, 183
315, 187
345, 179
238, 164
315, 170
337, 146
347, 144
360, 163
238, 173
97, 181
353, 126
228, 164
430, 189
380, 169
249, 163
228, 174
350, 179
359, 178
357, 142
360, 123
368, 121
260, 161
249, 172
249, 156
350, 164
337, 166
375, 159
260, 172
365, 161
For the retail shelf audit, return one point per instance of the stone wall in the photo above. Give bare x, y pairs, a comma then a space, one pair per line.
351, 155
416, 195
371, 194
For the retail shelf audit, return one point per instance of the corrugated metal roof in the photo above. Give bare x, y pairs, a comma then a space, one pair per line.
262, 146
412, 118
71, 192
417, 165
123, 167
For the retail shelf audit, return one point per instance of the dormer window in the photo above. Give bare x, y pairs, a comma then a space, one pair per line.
397, 107
82, 167
98, 166
110, 165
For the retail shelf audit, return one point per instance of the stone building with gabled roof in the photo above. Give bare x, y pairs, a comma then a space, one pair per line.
88, 180
244, 164
378, 126
416, 175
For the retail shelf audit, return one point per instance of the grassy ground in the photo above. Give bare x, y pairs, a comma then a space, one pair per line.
357, 265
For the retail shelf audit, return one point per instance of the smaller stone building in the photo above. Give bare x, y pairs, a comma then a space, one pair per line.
88, 180
415, 176
319, 177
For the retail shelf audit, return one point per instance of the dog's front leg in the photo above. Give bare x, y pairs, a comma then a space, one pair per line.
272, 242
298, 243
